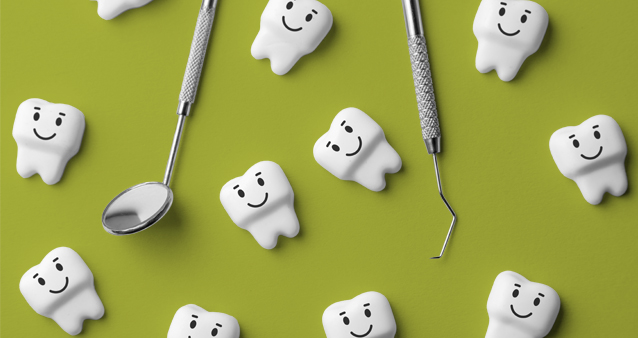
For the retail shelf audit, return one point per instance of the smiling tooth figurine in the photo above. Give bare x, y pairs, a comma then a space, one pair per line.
192, 321
366, 315
262, 202
48, 136
109, 9
290, 29
519, 308
508, 31
61, 288
355, 149
593, 155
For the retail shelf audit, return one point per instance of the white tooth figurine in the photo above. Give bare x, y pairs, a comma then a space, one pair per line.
593, 155
519, 308
366, 315
262, 202
61, 288
355, 149
191, 321
508, 31
109, 9
290, 29
48, 136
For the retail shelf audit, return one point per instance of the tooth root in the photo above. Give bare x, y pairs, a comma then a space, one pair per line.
109, 9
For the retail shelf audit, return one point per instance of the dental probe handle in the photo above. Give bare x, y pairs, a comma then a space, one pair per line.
422, 77
196, 57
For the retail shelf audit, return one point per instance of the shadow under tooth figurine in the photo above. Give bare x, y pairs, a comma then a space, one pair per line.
519, 308
192, 321
366, 315
61, 288
593, 155
290, 29
508, 31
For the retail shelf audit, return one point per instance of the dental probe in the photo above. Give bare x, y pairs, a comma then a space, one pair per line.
425, 95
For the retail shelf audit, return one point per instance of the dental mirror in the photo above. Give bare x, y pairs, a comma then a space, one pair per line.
141, 206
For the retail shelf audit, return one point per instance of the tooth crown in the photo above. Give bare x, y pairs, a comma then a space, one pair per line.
109, 9
355, 149
508, 34
519, 308
366, 315
262, 202
61, 288
285, 44
593, 155
195, 322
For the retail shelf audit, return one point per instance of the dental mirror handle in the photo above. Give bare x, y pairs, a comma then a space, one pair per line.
196, 57
422, 77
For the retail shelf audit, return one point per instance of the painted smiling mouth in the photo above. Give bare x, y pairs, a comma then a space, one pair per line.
600, 151
43, 138
358, 149
283, 19
64, 288
362, 335
517, 315
508, 34
260, 204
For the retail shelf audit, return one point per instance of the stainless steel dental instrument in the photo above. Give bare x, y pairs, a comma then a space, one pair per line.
140, 206
425, 95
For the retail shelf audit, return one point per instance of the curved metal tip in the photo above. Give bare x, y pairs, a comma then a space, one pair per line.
449, 207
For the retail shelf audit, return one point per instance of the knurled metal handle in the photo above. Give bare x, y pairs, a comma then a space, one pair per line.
424, 88
197, 53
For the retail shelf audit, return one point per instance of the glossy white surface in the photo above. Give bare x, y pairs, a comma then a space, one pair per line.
262, 202
593, 155
192, 321
507, 33
519, 308
290, 29
109, 9
366, 315
61, 288
355, 149
48, 136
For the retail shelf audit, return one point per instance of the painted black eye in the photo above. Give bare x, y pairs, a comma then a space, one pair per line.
289, 5
308, 17
349, 129
537, 301
260, 181
346, 320
36, 116
58, 266
576, 144
214, 332
596, 134
41, 281
193, 324
241, 193
524, 18
367, 313
335, 147
58, 121
515, 293
501, 12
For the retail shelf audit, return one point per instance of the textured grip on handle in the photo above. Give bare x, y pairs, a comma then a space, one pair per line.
197, 55
423, 87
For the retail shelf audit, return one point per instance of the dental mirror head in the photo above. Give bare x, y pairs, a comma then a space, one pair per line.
137, 208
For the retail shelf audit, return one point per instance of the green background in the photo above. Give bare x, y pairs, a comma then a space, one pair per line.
516, 211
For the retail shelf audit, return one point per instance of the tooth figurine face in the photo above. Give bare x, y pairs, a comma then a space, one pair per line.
593, 155
191, 321
290, 29
262, 202
48, 136
519, 308
366, 315
355, 149
61, 288
109, 9
507, 33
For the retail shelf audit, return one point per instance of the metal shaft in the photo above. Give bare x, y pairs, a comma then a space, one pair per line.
173, 155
